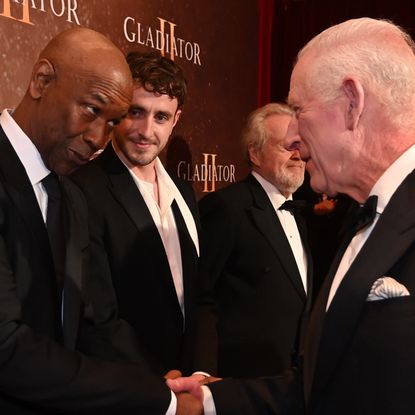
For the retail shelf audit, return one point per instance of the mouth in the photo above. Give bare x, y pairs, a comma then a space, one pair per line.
143, 144
80, 158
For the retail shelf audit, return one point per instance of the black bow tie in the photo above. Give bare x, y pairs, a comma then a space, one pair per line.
366, 213
294, 206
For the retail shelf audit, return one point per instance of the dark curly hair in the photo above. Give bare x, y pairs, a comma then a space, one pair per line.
158, 74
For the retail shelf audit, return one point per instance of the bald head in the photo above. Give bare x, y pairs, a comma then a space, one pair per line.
82, 50
80, 87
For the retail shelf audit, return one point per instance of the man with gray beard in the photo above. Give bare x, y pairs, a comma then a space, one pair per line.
254, 255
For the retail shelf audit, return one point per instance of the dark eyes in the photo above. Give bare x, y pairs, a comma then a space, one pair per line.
139, 113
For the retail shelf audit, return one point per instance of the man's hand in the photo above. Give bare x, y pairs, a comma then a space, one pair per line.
188, 405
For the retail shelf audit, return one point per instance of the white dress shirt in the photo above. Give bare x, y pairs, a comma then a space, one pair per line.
384, 188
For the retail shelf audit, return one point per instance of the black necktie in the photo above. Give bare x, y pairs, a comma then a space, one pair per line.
54, 225
365, 214
294, 206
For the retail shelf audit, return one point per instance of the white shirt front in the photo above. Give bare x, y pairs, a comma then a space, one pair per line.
289, 225
384, 189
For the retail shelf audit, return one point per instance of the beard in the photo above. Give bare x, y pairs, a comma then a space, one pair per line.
289, 181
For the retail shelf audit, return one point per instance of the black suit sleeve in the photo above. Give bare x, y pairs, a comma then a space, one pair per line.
278, 395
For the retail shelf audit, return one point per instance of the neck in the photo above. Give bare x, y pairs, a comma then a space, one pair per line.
146, 173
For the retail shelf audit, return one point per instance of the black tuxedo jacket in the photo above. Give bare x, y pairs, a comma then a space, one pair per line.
137, 316
40, 373
359, 355
248, 262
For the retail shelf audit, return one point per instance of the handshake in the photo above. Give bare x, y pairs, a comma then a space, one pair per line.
188, 391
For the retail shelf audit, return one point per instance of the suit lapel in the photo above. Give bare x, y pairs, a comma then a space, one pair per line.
266, 220
188, 254
397, 224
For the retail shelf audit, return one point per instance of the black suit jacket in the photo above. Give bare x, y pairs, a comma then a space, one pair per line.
136, 311
248, 262
359, 355
39, 371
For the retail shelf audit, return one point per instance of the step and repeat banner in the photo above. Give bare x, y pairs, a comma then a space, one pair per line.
215, 43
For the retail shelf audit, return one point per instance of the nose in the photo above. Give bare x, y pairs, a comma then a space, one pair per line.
145, 127
97, 135
295, 154
292, 139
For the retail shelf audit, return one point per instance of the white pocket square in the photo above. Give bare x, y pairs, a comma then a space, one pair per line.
386, 287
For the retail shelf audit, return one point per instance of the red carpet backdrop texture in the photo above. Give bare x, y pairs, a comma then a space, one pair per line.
215, 43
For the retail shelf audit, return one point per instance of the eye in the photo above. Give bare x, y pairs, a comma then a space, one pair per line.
135, 112
92, 109
161, 117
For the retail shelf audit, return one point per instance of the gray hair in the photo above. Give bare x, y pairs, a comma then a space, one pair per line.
254, 134
379, 53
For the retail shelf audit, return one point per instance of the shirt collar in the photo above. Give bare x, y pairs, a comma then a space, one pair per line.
24, 147
392, 177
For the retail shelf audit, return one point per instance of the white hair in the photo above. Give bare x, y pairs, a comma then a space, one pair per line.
254, 134
378, 53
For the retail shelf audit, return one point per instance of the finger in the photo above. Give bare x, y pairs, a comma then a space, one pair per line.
173, 374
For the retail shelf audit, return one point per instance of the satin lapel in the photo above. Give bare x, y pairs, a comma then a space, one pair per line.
266, 220
188, 253
20, 190
76, 234
392, 235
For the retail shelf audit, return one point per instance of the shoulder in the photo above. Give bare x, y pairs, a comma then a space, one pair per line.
91, 174
234, 195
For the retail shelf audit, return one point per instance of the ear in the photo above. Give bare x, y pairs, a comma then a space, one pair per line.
42, 75
355, 100
253, 155
176, 117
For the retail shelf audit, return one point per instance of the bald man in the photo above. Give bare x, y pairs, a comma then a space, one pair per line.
79, 88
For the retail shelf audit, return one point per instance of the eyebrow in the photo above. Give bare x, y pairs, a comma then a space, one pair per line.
140, 107
100, 98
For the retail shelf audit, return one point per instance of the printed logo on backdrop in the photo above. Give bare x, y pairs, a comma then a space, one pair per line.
209, 172
21, 10
163, 38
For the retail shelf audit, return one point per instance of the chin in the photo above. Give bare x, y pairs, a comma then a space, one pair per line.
317, 184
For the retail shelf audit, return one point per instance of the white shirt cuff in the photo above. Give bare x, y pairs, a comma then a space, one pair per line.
171, 410
208, 402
